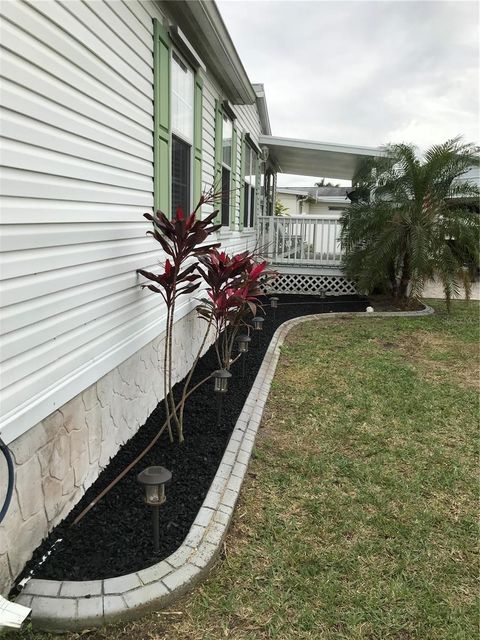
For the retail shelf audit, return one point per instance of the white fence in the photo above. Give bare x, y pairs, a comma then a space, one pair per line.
300, 240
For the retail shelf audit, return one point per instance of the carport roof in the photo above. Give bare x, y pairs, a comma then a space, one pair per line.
309, 158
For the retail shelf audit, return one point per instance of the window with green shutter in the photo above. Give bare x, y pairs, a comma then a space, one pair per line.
198, 137
226, 163
227, 140
250, 181
233, 180
162, 140
178, 105
241, 190
218, 150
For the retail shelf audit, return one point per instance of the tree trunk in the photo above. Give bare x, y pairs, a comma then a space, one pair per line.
393, 280
406, 277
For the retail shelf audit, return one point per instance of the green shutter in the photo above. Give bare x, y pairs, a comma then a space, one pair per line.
242, 182
233, 181
162, 140
257, 191
197, 136
218, 151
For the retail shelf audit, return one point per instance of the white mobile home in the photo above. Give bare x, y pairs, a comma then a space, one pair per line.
108, 109
111, 108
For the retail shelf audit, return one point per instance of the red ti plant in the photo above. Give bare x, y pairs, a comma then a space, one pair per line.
233, 289
181, 239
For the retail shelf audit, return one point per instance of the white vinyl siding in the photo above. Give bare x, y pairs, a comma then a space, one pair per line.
77, 175
322, 209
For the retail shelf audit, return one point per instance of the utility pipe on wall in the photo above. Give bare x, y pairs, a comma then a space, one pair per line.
11, 479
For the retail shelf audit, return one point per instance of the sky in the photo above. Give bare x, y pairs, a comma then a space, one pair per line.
362, 72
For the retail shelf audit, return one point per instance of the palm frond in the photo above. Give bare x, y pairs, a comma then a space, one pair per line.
416, 223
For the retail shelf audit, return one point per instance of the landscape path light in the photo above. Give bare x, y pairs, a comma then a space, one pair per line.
221, 378
322, 296
274, 305
243, 340
154, 480
258, 323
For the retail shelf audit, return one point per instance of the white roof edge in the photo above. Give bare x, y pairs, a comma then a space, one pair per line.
291, 191
262, 108
321, 146
305, 192
333, 199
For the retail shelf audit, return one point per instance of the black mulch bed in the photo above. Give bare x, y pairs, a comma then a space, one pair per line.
115, 537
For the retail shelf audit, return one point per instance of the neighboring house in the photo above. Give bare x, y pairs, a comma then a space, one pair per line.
111, 108
306, 239
314, 201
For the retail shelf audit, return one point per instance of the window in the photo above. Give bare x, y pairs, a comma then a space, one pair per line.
227, 135
182, 109
181, 159
178, 108
249, 178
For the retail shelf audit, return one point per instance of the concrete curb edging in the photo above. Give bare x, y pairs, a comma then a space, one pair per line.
76, 605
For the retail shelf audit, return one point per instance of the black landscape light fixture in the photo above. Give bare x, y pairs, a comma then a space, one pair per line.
220, 377
258, 323
274, 305
322, 298
154, 480
243, 340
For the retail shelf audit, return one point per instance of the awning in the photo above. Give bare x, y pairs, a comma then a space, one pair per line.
308, 158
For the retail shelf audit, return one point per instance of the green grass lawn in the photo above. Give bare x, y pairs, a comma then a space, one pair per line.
358, 516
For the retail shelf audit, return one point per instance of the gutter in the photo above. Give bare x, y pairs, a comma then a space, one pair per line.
262, 109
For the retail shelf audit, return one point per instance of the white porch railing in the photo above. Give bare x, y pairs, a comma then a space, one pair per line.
300, 240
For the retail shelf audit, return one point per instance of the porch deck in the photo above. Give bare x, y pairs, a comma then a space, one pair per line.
303, 241
306, 253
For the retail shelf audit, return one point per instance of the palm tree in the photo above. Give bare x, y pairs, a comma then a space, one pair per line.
322, 183
412, 220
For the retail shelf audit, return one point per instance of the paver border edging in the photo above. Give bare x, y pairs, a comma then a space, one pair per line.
73, 606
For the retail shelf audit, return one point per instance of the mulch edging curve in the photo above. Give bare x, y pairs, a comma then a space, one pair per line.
76, 605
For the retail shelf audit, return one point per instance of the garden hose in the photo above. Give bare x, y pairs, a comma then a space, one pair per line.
11, 479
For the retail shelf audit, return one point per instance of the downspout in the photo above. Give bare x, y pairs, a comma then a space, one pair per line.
301, 199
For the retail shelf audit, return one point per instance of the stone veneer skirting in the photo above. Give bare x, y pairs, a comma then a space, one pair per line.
69, 605
58, 459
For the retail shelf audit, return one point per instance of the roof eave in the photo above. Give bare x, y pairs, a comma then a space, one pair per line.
311, 158
204, 27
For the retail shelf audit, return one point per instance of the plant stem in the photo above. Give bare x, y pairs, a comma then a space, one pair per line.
173, 411
165, 377
217, 347
130, 466
189, 377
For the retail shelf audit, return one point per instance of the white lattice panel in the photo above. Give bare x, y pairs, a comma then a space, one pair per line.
312, 284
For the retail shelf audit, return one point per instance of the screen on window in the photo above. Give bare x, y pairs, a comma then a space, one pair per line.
225, 196
180, 175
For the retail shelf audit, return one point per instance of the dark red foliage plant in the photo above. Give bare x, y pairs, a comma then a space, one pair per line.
233, 285
233, 288
183, 239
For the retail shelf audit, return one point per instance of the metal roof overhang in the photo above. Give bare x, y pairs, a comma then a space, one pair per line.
308, 158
